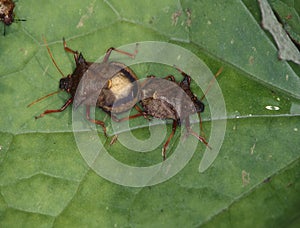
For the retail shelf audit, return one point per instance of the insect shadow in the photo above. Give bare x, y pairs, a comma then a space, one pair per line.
167, 99
107, 85
7, 15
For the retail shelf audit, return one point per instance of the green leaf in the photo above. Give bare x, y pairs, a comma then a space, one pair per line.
44, 181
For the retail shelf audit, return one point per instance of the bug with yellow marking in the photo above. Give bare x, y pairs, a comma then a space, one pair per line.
107, 85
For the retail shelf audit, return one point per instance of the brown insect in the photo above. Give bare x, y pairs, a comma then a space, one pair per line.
107, 85
168, 99
7, 13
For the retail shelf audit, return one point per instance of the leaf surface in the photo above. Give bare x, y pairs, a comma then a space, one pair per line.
44, 180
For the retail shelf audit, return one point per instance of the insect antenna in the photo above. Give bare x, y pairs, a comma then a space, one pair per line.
59, 70
206, 91
42, 98
51, 56
211, 83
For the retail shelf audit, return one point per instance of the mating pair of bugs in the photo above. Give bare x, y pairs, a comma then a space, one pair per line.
114, 87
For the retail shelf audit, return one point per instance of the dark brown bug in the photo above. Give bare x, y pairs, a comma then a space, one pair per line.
107, 85
7, 13
168, 99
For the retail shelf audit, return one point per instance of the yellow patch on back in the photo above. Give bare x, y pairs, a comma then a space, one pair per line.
121, 86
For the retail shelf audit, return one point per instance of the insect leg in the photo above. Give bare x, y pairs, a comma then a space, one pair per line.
141, 113
171, 78
116, 119
138, 109
200, 138
56, 110
98, 122
185, 75
200, 125
67, 49
191, 132
164, 149
151, 76
108, 53
113, 140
